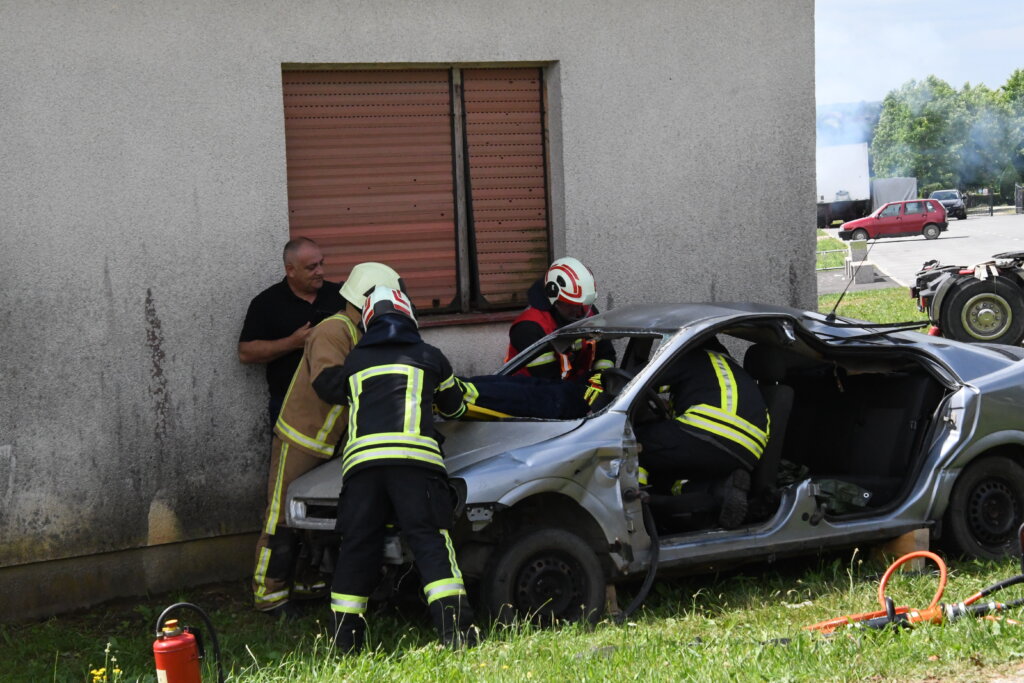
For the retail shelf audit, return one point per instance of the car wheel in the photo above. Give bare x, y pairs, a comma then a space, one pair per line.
986, 509
546, 576
859, 234
962, 216
930, 231
989, 310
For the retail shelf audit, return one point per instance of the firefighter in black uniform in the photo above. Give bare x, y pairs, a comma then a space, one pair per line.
392, 468
699, 462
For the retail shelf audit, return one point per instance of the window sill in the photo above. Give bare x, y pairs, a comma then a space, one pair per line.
468, 318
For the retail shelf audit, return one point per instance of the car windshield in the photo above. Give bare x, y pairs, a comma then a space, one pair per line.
944, 194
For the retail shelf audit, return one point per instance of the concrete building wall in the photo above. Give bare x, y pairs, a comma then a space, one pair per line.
143, 202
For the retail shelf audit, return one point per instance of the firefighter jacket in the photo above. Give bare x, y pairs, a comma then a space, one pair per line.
719, 402
540, 320
307, 422
390, 381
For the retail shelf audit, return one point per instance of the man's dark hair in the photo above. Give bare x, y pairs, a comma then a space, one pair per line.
293, 245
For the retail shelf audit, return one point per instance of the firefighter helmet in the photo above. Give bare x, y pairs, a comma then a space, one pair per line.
364, 277
383, 300
570, 288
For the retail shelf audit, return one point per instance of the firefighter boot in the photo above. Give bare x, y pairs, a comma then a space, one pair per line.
349, 632
733, 493
453, 619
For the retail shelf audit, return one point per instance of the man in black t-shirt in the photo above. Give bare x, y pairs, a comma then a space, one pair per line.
280, 317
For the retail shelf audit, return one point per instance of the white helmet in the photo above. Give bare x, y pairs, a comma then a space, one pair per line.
366, 276
570, 281
383, 300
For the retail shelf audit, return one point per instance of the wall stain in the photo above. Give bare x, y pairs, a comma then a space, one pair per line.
158, 378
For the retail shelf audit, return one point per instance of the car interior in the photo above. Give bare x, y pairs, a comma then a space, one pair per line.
853, 420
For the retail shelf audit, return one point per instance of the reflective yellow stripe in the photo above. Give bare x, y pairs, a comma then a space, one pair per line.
726, 382
348, 604
642, 476
723, 431
603, 364
458, 413
469, 391
444, 588
391, 453
542, 359
332, 417
451, 553
447, 384
413, 440
275, 500
300, 439
737, 422
413, 381
262, 598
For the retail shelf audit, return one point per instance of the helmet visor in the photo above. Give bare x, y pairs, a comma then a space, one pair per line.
571, 311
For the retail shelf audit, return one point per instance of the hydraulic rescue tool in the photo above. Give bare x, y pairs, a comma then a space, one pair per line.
935, 612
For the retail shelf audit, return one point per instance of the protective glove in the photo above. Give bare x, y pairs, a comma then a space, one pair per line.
594, 388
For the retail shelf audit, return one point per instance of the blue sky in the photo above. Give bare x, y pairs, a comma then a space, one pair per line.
865, 48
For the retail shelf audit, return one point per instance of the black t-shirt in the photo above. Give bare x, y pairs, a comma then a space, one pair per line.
275, 313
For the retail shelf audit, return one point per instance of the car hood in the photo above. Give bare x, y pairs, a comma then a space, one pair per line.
467, 444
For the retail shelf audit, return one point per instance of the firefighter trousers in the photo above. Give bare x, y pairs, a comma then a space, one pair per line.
277, 547
420, 500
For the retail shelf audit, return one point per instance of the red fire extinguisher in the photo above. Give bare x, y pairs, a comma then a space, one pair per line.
178, 649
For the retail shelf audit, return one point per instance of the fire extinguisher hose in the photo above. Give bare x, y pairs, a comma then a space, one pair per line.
209, 625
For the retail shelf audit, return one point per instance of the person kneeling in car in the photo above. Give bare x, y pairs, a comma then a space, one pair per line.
392, 467
699, 463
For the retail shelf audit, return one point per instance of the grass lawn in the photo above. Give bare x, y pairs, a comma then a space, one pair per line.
714, 627
836, 259
875, 305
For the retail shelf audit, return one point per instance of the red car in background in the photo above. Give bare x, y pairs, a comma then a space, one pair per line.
899, 219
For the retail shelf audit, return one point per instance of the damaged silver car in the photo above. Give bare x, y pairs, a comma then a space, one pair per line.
926, 432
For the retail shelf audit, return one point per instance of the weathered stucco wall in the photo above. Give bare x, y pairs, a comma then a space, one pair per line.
143, 202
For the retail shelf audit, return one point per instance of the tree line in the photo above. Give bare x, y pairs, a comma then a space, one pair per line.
970, 138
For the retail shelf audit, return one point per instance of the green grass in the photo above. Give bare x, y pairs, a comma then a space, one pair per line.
832, 260
875, 305
708, 628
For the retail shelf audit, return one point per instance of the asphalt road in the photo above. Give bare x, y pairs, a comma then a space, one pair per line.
964, 243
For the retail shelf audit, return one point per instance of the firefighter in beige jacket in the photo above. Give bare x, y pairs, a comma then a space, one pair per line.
305, 435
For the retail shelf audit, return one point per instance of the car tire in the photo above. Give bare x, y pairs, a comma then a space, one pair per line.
545, 577
986, 509
930, 231
859, 234
962, 216
989, 310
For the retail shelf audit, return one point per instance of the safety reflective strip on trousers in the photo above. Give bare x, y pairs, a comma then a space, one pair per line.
262, 598
348, 604
275, 500
316, 443
723, 420
452, 585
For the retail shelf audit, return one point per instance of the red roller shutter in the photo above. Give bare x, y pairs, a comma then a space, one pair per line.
507, 184
370, 174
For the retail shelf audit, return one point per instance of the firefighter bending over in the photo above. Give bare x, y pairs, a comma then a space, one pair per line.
392, 467
305, 435
699, 463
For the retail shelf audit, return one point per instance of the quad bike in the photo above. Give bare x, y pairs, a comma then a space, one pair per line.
980, 303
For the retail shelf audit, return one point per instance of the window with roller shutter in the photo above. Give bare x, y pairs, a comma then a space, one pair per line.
440, 173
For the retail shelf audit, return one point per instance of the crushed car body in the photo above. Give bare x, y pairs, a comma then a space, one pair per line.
925, 431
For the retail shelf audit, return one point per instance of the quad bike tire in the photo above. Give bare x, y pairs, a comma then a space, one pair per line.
989, 310
546, 576
986, 509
